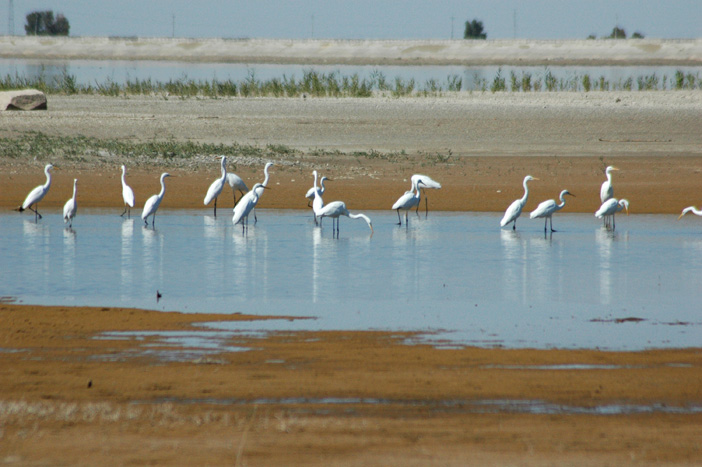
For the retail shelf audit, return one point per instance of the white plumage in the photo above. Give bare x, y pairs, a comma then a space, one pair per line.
547, 208
37, 194
515, 209
127, 194
216, 187
71, 207
152, 204
611, 207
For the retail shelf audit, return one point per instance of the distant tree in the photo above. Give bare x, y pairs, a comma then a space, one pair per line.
42, 23
637, 35
474, 30
617, 33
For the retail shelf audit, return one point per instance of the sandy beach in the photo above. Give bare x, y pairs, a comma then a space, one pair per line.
70, 395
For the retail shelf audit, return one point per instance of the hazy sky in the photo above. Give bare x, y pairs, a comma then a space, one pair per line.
367, 19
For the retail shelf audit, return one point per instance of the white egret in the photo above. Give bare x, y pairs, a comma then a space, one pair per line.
260, 188
236, 183
427, 182
245, 205
611, 207
152, 204
310, 193
515, 209
37, 194
606, 190
216, 187
317, 202
407, 201
547, 208
692, 209
71, 207
335, 209
127, 195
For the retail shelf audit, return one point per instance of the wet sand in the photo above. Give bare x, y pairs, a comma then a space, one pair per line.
365, 397
341, 398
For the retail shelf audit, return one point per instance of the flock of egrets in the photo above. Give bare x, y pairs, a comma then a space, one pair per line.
408, 201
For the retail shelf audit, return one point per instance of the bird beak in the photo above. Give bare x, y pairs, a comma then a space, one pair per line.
534, 178
680, 216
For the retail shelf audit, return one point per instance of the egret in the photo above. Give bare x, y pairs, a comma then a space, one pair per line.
245, 205
310, 192
236, 183
127, 195
515, 209
335, 209
216, 187
428, 183
37, 194
317, 202
70, 208
547, 208
611, 207
152, 204
407, 201
260, 188
692, 209
606, 190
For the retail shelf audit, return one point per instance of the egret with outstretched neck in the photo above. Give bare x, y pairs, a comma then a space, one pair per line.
259, 187
515, 209
37, 194
216, 187
71, 207
152, 204
310, 193
692, 209
335, 209
606, 190
127, 195
427, 182
547, 208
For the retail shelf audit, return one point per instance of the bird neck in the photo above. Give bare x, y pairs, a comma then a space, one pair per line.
265, 178
163, 187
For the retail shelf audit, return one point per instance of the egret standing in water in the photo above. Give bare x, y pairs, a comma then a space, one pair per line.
259, 190
245, 205
407, 201
335, 209
37, 194
71, 207
427, 182
692, 209
547, 208
127, 195
607, 190
152, 204
236, 183
216, 187
310, 193
611, 207
515, 209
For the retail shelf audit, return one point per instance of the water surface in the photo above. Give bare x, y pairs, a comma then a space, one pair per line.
456, 277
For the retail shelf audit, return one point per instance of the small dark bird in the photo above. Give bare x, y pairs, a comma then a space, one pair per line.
90, 384
158, 296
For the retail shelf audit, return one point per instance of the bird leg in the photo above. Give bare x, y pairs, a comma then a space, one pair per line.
215, 208
398, 217
551, 224
426, 205
125, 211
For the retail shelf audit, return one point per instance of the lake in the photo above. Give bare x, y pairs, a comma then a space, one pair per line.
92, 72
455, 277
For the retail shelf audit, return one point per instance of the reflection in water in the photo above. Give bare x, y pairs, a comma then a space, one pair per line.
126, 262
69, 257
514, 279
37, 253
317, 262
153, 257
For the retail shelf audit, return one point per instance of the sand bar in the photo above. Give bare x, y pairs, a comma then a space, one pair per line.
360, 52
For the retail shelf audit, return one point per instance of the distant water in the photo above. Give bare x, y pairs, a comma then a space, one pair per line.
92, 72
456, 277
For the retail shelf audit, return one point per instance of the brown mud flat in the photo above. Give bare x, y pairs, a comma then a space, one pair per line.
329, 398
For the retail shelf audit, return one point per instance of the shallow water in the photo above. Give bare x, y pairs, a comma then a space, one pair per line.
92, 72
456, 277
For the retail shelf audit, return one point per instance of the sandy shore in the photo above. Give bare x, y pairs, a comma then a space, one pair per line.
479, 146
361, 52
354, 398
68, 397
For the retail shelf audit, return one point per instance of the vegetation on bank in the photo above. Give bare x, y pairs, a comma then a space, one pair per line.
39, 146
333, 84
